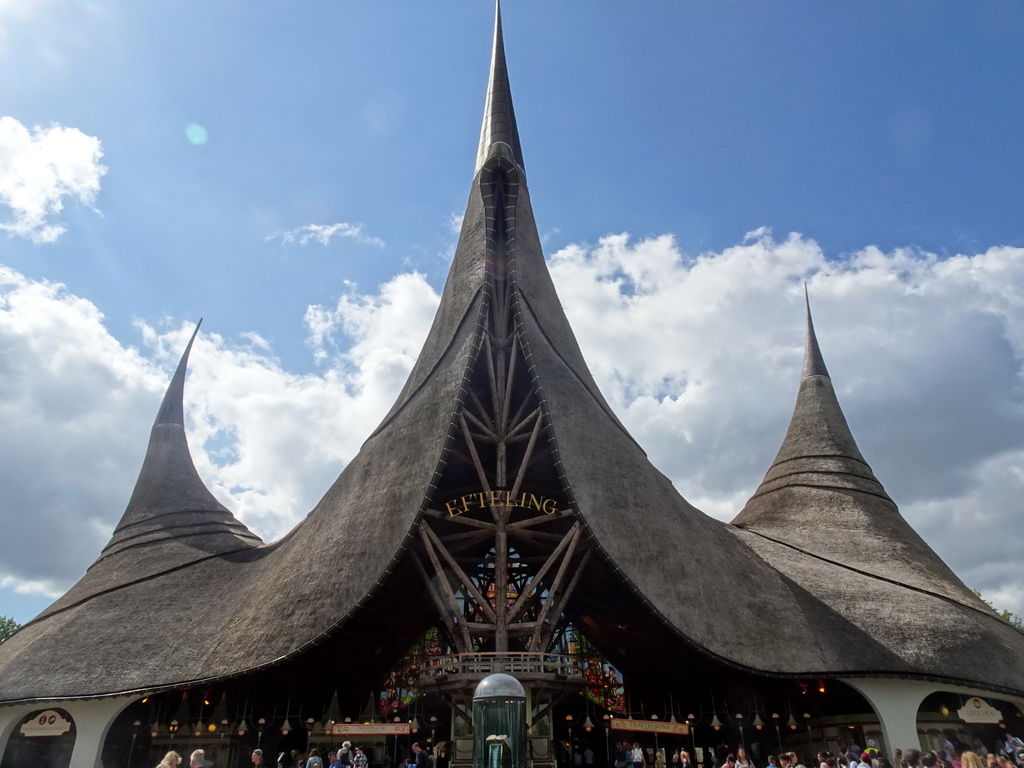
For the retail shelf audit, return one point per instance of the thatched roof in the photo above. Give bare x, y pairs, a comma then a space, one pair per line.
821, 497
184, 593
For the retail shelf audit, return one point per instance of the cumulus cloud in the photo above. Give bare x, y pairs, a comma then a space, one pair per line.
325, 233
699, 354
39, 169
267, 442
64, 381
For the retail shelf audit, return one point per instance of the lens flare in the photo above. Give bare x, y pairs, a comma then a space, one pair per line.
196, 134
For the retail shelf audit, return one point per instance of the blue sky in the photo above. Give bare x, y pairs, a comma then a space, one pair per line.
235, 134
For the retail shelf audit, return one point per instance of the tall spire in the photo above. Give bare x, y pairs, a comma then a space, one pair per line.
172, 409
170, 501
814, 364
821, 497
499, 127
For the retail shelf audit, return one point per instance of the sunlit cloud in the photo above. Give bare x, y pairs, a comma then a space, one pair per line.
699, 355
325, 233
40, 168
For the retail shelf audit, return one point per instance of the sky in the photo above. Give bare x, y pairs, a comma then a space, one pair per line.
295, 174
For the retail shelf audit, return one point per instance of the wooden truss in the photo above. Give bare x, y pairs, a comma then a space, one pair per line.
501, 575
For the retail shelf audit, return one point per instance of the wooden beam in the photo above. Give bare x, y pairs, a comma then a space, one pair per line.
477, 464
556, 584
478, 598
453, 634
535, 413
467, 537
569, 540
488, 432
482, 412
507, 401
443, 578
541, 519
468, 521
544, 638
491, 375
526, 456
518, 419
537, 537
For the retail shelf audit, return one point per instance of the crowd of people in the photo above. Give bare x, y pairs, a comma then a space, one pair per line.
1009, 753
346, 757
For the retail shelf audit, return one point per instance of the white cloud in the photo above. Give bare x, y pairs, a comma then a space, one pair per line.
455, 222
267, 442
324, 233
39, 168
700, 355
65, 472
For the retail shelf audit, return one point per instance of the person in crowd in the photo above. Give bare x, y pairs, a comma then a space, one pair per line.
362, 761
823, 757
257, 757
771, 762
636, 756
197, 759
345, 754
588, 756
171, 760
730, 761
332, 760
970, 759
684, 759
313, 759
419, 756
742, 761
623, 755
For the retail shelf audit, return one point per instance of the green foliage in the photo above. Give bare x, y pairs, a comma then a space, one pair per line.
1015, 621
8, 627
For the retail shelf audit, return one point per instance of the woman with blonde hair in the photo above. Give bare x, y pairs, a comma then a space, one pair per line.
171, 760
971, 760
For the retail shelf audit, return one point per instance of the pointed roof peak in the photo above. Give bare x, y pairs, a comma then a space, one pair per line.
172, 409
499, 131
170, 502
814, 364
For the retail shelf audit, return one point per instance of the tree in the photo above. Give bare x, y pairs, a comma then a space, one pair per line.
8, 627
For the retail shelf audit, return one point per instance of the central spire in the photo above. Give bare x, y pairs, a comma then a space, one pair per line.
499, 127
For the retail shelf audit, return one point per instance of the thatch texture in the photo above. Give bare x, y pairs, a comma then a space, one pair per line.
184, 593
821, 497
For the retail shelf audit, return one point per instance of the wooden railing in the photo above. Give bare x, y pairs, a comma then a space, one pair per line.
558, 665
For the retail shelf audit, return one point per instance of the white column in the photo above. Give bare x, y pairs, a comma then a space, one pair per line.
93, 719
896, 703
